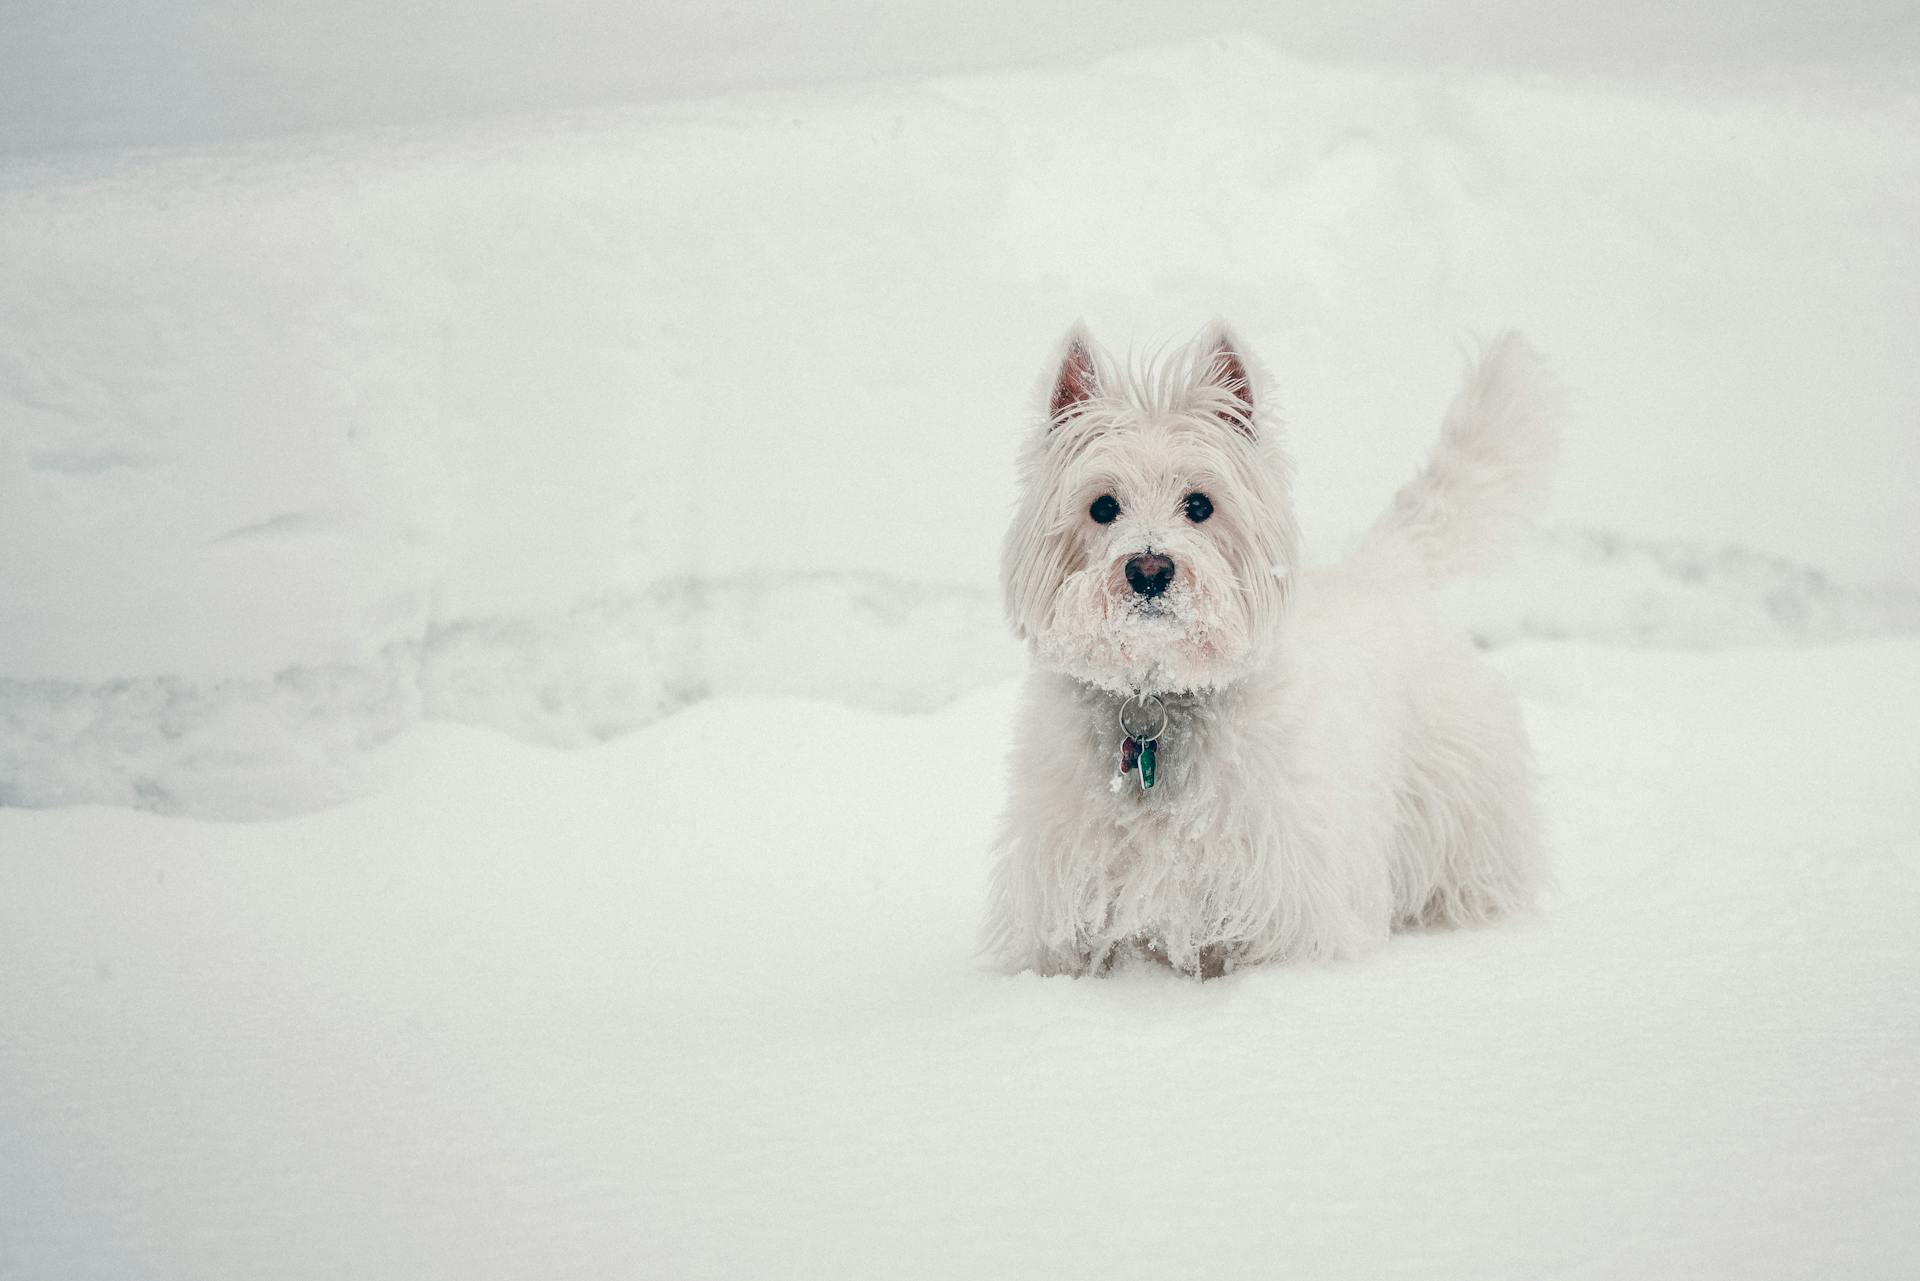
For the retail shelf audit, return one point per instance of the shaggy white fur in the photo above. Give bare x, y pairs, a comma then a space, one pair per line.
1337, 761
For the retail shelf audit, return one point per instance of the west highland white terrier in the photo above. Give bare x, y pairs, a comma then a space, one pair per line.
1223, 758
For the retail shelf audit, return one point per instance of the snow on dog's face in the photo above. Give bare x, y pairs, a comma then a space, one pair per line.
1155, 532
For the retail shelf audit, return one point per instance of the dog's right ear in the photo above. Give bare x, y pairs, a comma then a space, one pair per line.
1076, 376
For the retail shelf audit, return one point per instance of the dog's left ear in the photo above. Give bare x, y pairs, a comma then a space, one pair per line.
1225, 371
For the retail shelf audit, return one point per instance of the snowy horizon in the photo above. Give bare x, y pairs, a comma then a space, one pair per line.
193, 72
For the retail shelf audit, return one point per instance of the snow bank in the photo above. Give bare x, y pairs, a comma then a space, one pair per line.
702, 1002
252, 748
558, 424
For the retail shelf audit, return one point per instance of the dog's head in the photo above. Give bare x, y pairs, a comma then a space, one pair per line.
1155, 536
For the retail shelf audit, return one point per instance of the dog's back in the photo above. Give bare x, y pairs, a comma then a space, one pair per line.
1466, 841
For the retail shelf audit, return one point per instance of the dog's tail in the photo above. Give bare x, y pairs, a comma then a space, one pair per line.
1489, 472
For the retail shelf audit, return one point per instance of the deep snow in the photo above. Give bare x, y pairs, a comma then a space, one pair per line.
702, 1002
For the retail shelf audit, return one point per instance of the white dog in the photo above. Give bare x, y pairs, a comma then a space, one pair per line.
1222, 759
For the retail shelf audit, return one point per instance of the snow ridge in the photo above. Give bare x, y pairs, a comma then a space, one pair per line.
257, 747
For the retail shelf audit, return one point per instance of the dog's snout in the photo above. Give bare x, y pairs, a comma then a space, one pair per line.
1150, 574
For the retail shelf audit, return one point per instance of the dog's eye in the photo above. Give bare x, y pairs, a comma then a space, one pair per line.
1199, 507
1104, 509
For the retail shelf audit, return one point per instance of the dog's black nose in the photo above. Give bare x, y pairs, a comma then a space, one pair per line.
1150, 574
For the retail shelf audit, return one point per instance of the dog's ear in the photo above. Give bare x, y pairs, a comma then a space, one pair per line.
1225, 371
1075, 378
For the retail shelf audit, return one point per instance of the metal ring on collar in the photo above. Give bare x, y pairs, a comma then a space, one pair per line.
1150, 704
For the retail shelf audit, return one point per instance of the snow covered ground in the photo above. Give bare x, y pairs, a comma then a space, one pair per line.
700, 1002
